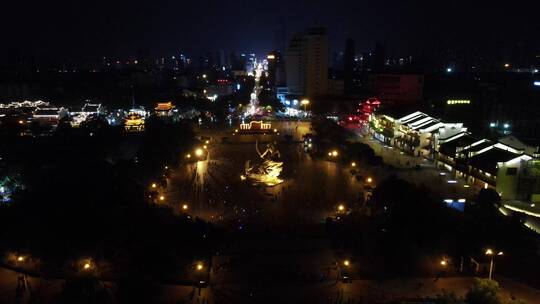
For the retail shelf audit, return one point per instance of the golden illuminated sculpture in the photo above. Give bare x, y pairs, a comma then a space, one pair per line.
266, 172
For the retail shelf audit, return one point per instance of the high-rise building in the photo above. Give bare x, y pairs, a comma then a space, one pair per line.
307, 63
276, 69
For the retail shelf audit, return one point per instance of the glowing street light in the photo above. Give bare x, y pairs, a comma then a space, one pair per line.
184, 207
199, 152
305, 103
353, 164
369, 180
87, 265
491, 253
188, 155
346, 263
341, 208
444, 262
161, 198
20, 258
154, 185
199, 266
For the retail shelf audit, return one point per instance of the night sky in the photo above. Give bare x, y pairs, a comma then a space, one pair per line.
72, 29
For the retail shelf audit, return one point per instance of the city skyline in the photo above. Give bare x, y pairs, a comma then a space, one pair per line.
64, 30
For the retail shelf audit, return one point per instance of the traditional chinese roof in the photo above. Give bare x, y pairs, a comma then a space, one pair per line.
449, 148
40, 112
164, 106
488, 160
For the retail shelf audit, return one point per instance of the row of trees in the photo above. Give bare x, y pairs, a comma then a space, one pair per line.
84, 199
481, 292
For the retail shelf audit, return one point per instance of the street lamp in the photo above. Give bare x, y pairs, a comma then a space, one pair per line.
199, 152
353, 164
444, 262
369, 180
305, 103
184, 207
199, 266
161, 198
341, 208
86, 265
154, 185
491, 253
346, 263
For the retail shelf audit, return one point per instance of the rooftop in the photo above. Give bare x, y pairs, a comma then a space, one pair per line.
479, 145
449, 148
46, 112
164, 106
488, 160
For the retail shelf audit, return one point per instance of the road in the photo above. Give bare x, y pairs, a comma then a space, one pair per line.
359, 291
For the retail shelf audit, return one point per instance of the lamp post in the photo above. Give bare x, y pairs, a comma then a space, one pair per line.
305, 103
491, 253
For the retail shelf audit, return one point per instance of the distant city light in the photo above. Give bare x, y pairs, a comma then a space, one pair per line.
507, 65
492, 125
449, 70
458, 101
506, 126
537, 83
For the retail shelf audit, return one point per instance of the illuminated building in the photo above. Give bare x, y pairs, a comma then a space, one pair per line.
164, 109
87, 110
255, 127
134, 122
48, 116
306, 63
25, 104
276, 69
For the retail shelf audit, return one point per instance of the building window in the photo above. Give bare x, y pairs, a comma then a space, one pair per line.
511, 171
